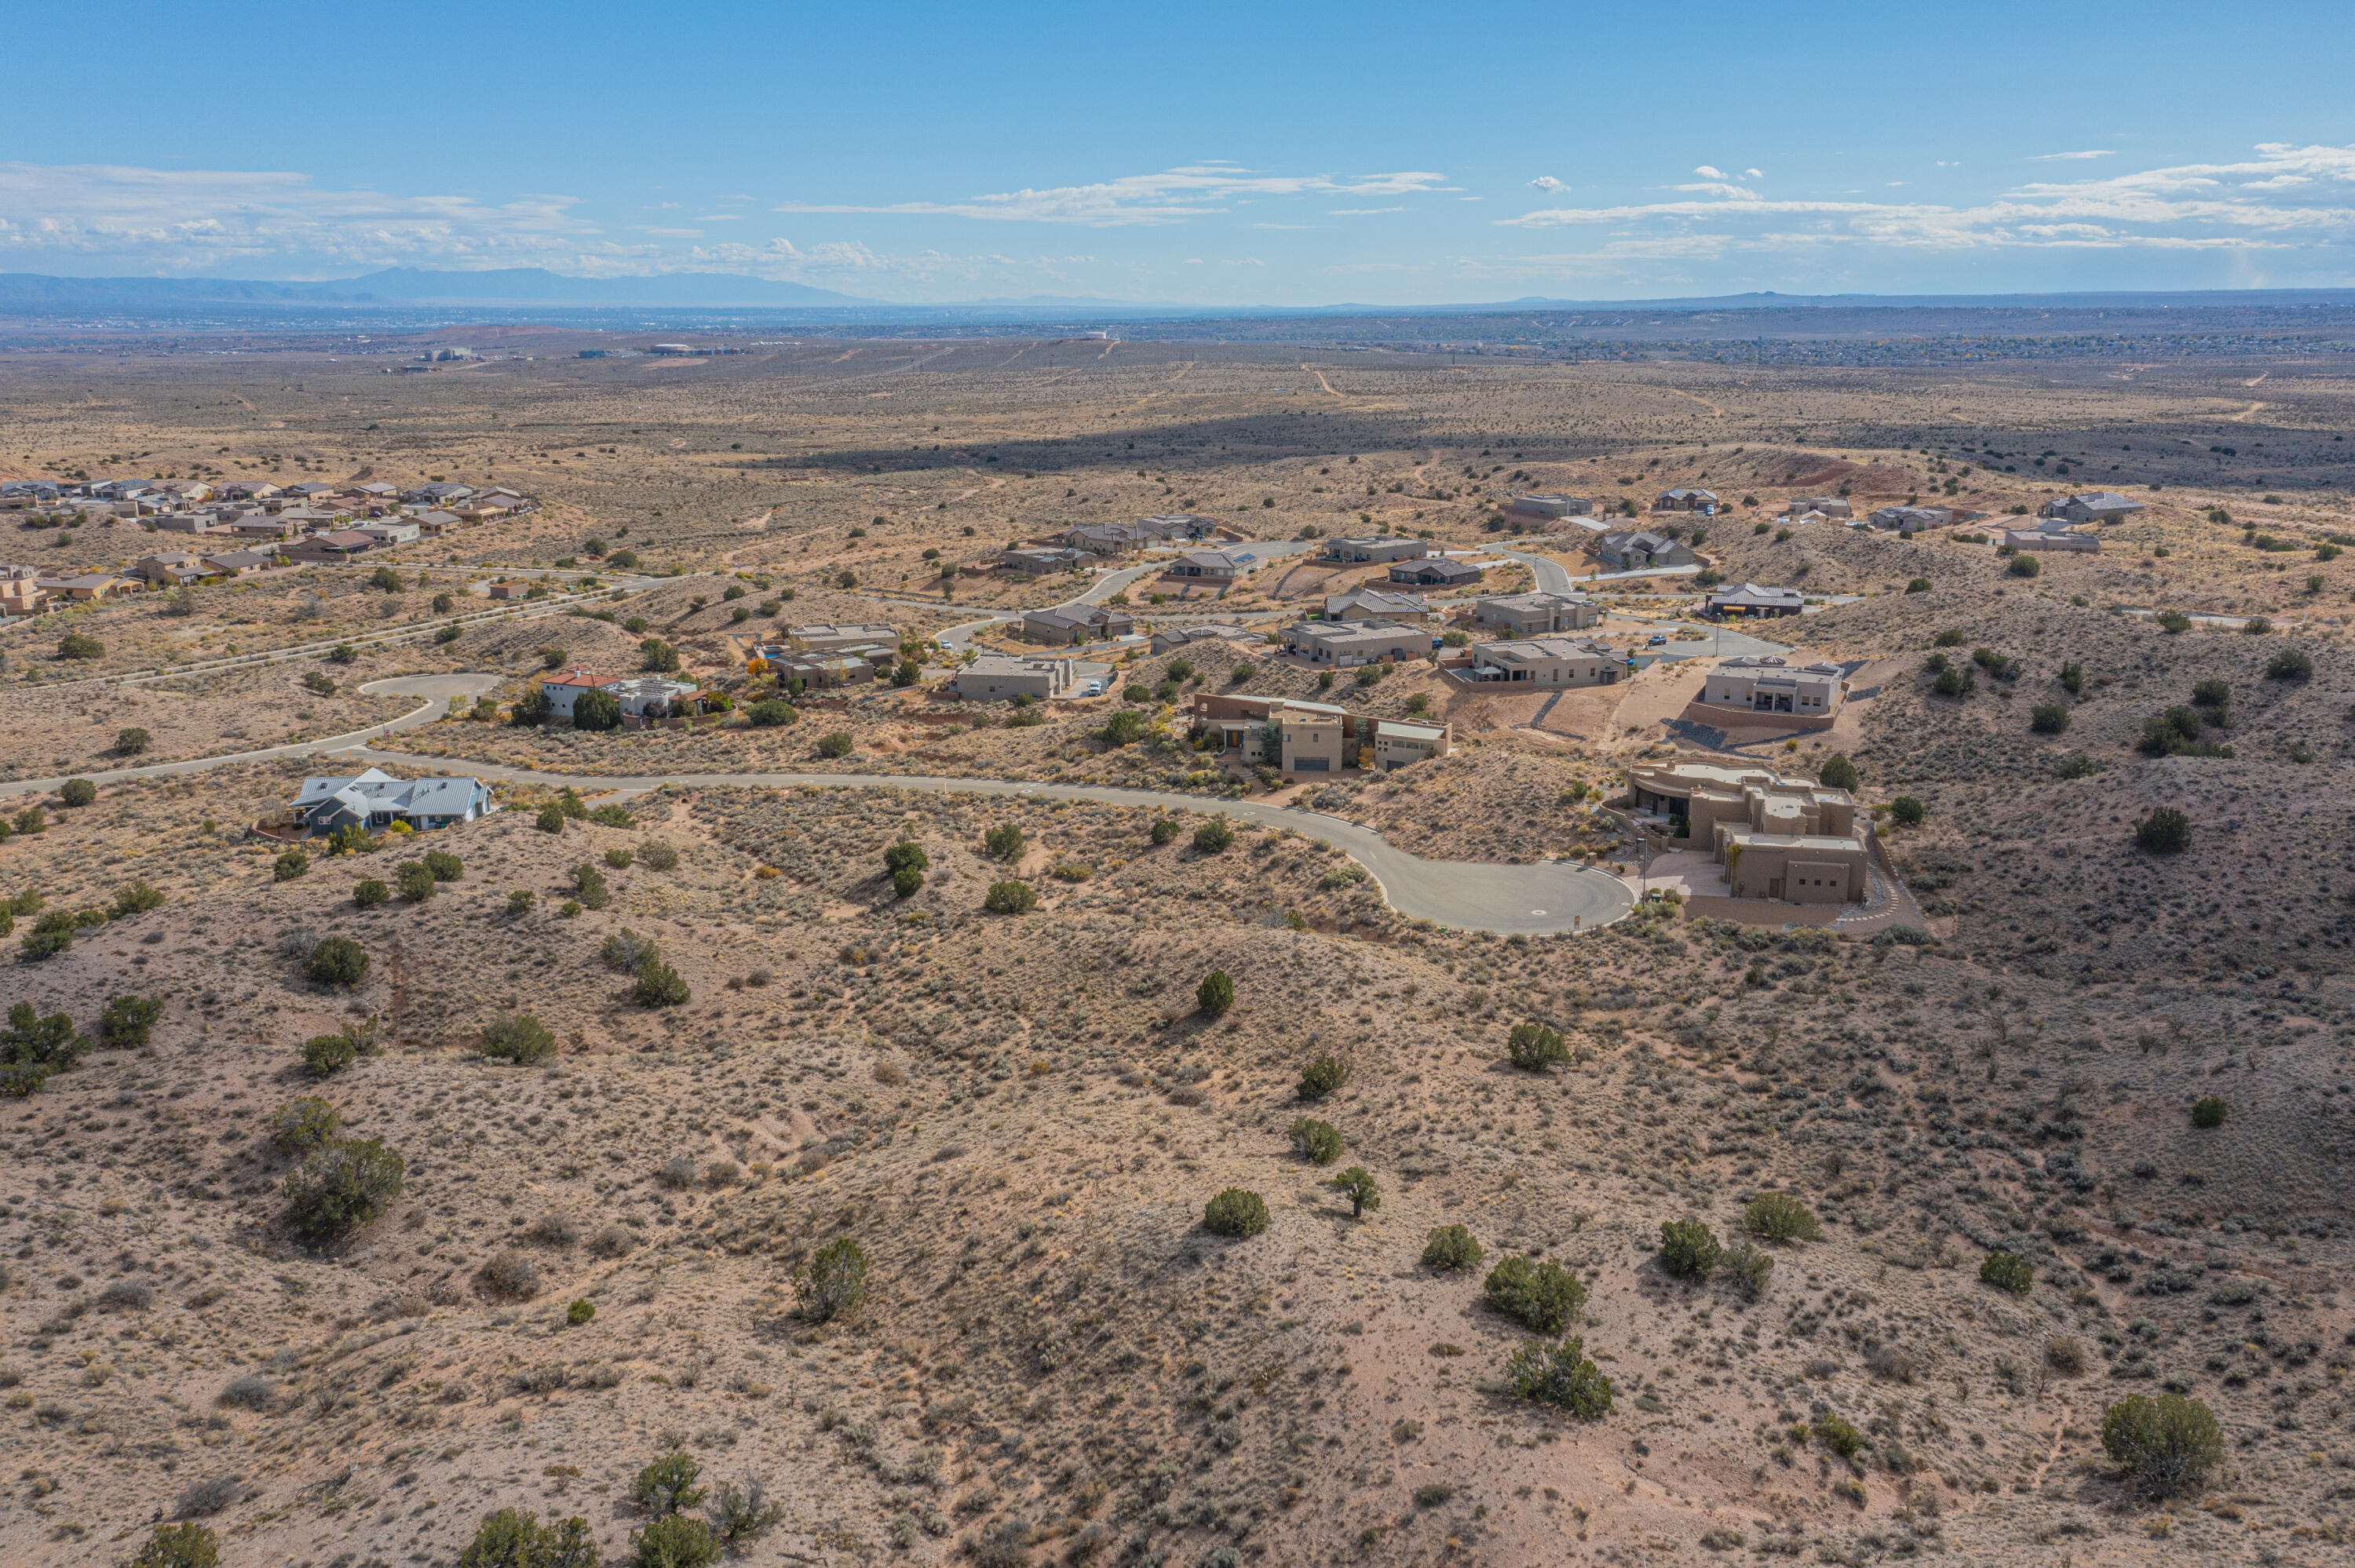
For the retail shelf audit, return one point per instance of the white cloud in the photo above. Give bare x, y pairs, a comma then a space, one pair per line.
1753, 173
1171, 196
1551, 185
2073, 157
2185, 207
1705, 172
1361, 211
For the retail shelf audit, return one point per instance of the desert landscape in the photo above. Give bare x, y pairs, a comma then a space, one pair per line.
973, 1131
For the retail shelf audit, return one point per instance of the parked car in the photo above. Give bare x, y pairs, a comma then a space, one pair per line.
1655, 640
1095, 689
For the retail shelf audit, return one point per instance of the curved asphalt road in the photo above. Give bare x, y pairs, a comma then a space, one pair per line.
1548, 897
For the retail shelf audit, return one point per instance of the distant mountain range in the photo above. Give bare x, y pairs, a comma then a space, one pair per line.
406, 288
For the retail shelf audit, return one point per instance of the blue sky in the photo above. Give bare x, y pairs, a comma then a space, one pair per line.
1213, 154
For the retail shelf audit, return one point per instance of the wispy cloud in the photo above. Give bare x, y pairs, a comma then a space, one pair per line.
1548, 184
1361, 211
2073, 157
2285, 197
1173, 195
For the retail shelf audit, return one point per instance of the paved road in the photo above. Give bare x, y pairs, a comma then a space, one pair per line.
1545, 898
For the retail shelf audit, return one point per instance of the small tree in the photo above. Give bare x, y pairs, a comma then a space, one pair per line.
667, 1486
292, 864
906, 855
907, 882
1235, 1213
833, 1284
1907, 812
771, 713
33, 1047
1358, 1186
132, 742
77, 793
445, 866
415, 882
837, 745
2049, 718
2210, 1110
2165, 832
589, 884
1534, 1047
2007, 1271
550, 819
80, 645
303, 1124
368, 892
1010, 898
2165, 1444
513, 1538
659, 656
677, 1541
1451, 1247
1213, 836
519, 1037
1837, 772
1124, 728
1560, 1375
327, 1055
338, 961
1747, 1269
1004, 841
658, 985
185, 1545
1215, 994
1164, 831
128, 1022
2024, 566
2290, 664
596, 711
1321, 1077
1690, 1249
342, 1186
1544, 1296
1778, 1216
1320, 1141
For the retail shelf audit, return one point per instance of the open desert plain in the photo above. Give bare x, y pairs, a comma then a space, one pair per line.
891, 1125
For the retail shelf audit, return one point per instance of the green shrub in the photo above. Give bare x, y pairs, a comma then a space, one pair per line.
1559, 1374
519, 1037
338, 961
835, 745
658, 656
906, 855
2024, 566
128, 1022
907, 882
1747, 1269
1213, 836
1534, 1047
658, 854
1003, 841
1907, 812
327, 1055
368, 892
445, 866
45, 942
1954, 680
1235, 1213
415, 882
658, 985
618, 858
1010, 898
1690, 1249
185, 1545
1357, 1185
292, 864
2210, 1110
1164, 831
667, 1486
1124, 728
677, 1541
77, 792
589, 884
1545, 1296
2165, 832
549, 821
1917, 585
1778, 1216
1837, 773
2007, 1271
520, 901
1215, 994
79, 645
33, 1047
579, 1313
1451, 1247
2165, 1444
512, 1538
2290, 664
2049, 718
833, 1284
771, 713
1319, 1140
303, 1124
1839, 1435
342, 1185
1321, 1077
2174, 623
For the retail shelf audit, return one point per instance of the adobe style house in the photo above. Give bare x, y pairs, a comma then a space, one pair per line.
1685, 499
1634, 550
1807, 696
1534, 614
2050, 538
20, 591
821, 672
1312, 737
1041, 561
1749, 600
2106, 506
1177, 637
564, 688
1375, 604
376, 799
824, 638
1435, 571
170, 568
645, 698
1545, 662
328, 547
86, 586
1001, 677
1351, 642
241, 563
1384, 547
1070, 624
1911, 519
1777, 838
1831, 507
1548, 508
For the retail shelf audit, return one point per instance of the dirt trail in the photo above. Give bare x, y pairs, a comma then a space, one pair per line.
1675, 392
2244, 414
1320, 379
